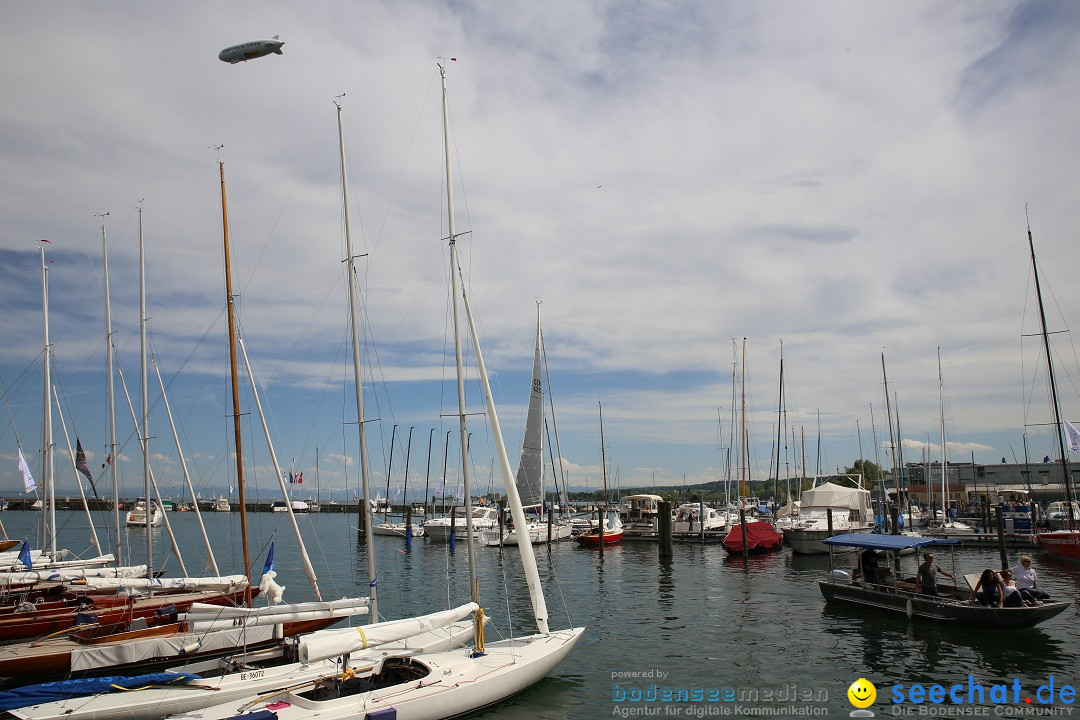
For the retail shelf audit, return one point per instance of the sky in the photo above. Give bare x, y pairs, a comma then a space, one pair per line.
684, 187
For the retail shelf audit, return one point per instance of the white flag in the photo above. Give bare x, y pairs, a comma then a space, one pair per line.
1074, 436
28, 479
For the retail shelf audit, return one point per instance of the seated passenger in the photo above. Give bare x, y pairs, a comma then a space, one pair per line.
1012, 596
989, 591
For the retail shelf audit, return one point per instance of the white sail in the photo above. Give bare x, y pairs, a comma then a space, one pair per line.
227, 582
326, 644
19, 578
530, 472
333, 608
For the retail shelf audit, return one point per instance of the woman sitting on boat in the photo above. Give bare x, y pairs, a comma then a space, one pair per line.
989, 591
1012, 598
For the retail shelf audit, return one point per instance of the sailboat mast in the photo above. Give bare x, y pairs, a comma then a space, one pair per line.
1066, 475
109, 389
779, 409
47, 442
389, 469
144, 429
365, 484
211, 561
455, 292
944, 451
235, 386
892, 437
743, 470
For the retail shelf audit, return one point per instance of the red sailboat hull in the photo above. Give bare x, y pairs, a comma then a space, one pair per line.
590, 538
1064, 544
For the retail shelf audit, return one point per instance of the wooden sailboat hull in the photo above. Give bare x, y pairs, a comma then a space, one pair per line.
53, 658
111, 609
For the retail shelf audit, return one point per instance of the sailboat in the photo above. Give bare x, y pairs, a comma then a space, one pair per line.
397, 529
438, 684
947, 527
1064, 543
530, 473
609, 528
749, 535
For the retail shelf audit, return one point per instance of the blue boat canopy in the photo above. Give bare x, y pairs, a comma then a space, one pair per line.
887, 542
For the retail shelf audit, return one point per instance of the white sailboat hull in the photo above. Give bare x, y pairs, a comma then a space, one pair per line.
447, 684
536, 532
233, 679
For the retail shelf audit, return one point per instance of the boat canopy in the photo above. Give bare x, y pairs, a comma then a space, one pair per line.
887, 542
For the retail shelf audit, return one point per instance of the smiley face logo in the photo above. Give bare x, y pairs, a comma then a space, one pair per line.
862, 693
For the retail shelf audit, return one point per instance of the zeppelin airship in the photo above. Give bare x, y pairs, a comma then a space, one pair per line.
251, 50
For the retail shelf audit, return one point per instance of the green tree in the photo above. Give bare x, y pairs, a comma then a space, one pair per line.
869, 470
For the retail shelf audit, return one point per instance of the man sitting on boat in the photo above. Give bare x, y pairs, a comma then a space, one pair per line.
926, 577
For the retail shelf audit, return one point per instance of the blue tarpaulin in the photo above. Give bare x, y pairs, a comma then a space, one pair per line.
887, 542
64, 689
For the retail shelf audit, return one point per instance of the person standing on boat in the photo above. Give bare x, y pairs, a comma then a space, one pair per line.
868, 566
926, 577
1027, 580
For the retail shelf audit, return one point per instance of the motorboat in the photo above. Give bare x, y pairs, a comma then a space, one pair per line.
694, 519
639, 516
897, 595
829, 509
136, 517
483, 518
222, 505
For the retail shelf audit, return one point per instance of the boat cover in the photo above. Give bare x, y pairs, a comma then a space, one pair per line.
888, 542
65, 689
758, 534
832, 495
144, 650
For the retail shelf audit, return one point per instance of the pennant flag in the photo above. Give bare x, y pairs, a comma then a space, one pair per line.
24, 555
48, 241
269, 560
300, 478
1074, 436
28, 479
81, 466
291, 479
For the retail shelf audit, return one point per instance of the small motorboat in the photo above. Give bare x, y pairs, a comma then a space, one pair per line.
952, 605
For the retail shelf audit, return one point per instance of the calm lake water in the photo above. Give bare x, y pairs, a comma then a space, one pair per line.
739, 640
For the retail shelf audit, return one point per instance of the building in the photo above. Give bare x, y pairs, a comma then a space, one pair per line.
966, 482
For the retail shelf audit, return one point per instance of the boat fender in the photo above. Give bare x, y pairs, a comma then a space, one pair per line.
188, 649
383, 714
86, 618
910, 609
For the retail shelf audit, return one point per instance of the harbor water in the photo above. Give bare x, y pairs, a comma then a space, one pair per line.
700, 635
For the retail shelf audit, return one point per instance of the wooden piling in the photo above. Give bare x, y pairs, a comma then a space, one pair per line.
663, 528
742, 525
1001, 537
